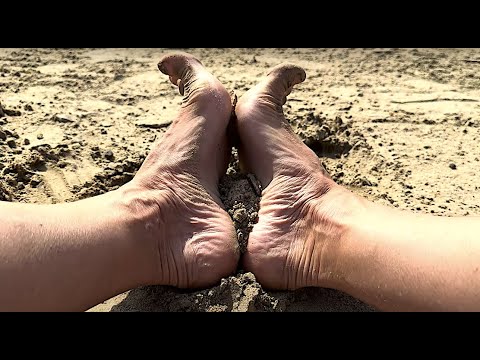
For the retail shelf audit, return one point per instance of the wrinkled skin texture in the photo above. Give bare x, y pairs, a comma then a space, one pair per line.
175, 194
293, 243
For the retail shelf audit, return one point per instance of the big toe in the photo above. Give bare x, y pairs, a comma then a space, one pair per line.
281, 79
177, 64
286, 75
274, 88
181, 68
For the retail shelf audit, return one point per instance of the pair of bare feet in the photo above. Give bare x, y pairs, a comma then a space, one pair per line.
294, 243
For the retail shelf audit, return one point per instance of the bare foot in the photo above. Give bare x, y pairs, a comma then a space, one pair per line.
296, 239
175, 192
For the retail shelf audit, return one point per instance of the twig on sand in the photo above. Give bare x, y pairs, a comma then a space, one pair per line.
432, 100
255, 184
476, 61
154, 126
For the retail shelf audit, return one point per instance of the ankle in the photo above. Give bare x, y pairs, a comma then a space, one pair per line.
338, 211
143, 213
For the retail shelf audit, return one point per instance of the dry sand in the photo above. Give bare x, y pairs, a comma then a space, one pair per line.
398, 126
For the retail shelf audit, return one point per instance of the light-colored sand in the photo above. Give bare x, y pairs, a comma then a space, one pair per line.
407, 137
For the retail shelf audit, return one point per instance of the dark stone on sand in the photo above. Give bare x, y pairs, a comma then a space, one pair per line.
36, 162
62, 118
12, 134
4, 193
35, 181
109, 155
39, 136
28, 107
452, 166
3, 136
26, 142
95, 154
362, 181
12, 143
12, 112
119, 168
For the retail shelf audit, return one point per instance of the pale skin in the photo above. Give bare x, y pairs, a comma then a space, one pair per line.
168, 226
313, 232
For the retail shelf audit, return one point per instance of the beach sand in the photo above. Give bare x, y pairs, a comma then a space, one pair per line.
398, 126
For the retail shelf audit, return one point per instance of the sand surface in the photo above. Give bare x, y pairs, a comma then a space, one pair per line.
398, 126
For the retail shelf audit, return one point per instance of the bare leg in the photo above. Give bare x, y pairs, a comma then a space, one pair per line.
313, 232
167, 226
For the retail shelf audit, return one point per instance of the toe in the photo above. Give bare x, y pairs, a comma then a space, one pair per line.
285, 76
273, 90
181, 69
281, 79
193, 80
177, 65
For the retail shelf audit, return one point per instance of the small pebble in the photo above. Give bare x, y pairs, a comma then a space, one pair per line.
35, 181
108, 155
39, 136
452, 166
12, 143
240, 215
62, 118
26, 142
